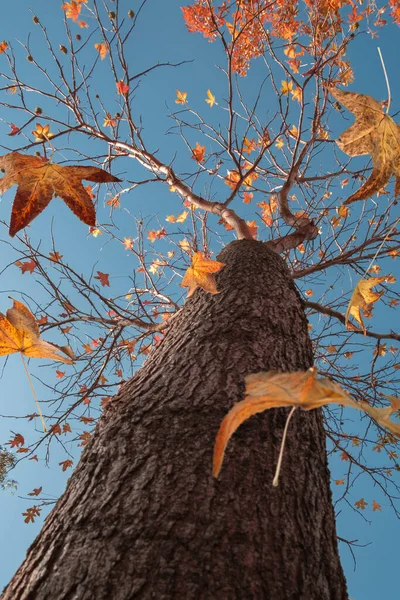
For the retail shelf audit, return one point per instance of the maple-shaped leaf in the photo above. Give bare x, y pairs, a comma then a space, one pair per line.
102, 49
26, 267
374, 133
361, 297
299, 389
200, 274
39, 181
19, 332
198, 153
103, 278
210, 98
122, 87
180, 97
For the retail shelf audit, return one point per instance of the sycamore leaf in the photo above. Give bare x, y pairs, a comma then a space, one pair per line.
103, 278
42, 133
210, 98
39, 181
374, 133
122, 87
200, 274
198, 153
362, 296
287, 86
180, 97
19, 332
300, 389
102, 50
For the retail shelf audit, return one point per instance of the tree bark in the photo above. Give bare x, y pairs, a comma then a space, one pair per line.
142, 516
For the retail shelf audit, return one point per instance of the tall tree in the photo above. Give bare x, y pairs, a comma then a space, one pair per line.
142, 515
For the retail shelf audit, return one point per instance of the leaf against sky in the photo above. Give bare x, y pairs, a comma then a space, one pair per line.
362, 296
300, 389
374, 133
39, 181
200, 274
19, 332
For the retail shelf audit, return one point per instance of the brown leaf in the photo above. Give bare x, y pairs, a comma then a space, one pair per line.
361, 297
374, 133
39, 181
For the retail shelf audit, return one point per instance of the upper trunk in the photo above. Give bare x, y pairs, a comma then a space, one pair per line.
142, 516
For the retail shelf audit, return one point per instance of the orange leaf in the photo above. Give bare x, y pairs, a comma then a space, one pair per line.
198, 153
19, 332
103, 278
200, 274
27, 266
102, 50
122, 87
181, 97
3, 47
39, 181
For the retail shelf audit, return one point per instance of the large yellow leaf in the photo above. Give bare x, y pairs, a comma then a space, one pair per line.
374, 133
362, 296
39, 181
19, 332
200, 274
300, 389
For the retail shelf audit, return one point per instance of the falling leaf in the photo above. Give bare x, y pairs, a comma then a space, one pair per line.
180, 97
19, 332
299, 389
16, 441
59, 374
39, 181
3, 46
35, 492
339, 481
103, 278
210, 98
128, 243
198, 153
55, 256
374, 133
102, 49
362, 296
14, 130
376, 506
122, 87
31, 513
200, 274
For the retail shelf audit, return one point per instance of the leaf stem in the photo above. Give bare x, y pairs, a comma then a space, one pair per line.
387, 80
34, 393
279, 463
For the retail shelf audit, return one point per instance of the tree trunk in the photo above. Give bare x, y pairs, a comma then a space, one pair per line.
142, 516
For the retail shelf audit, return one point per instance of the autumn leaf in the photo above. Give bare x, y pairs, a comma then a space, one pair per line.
31, 513
128, 243
66, 464
361, 504
59, 374
41, 133
26, 267
35, 492
19, 332
362, 296
109, 121
103, 278
102, 50
180, 97
374, 133
376, 506
17, 440
198, 153
200, 274
287, 87
210, 99
299, 389
122, 87
72, 9
3, 46
55, 256
39, 181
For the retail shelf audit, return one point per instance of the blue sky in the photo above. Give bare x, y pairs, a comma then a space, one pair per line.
166, 39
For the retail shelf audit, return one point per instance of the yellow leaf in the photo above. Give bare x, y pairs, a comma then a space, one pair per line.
296, 94
362, 296
298, 389
102, 50
210, 98
180, 97
200, 274
19, 332
279, 143
287, 87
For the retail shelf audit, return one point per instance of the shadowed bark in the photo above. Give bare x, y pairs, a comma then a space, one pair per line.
142, 516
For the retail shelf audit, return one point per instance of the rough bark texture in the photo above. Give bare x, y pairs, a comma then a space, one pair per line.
142, 516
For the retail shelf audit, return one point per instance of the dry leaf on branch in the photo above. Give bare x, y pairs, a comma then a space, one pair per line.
374, 133
39, 181
19, 332
200, 274
299, 389
362, 296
